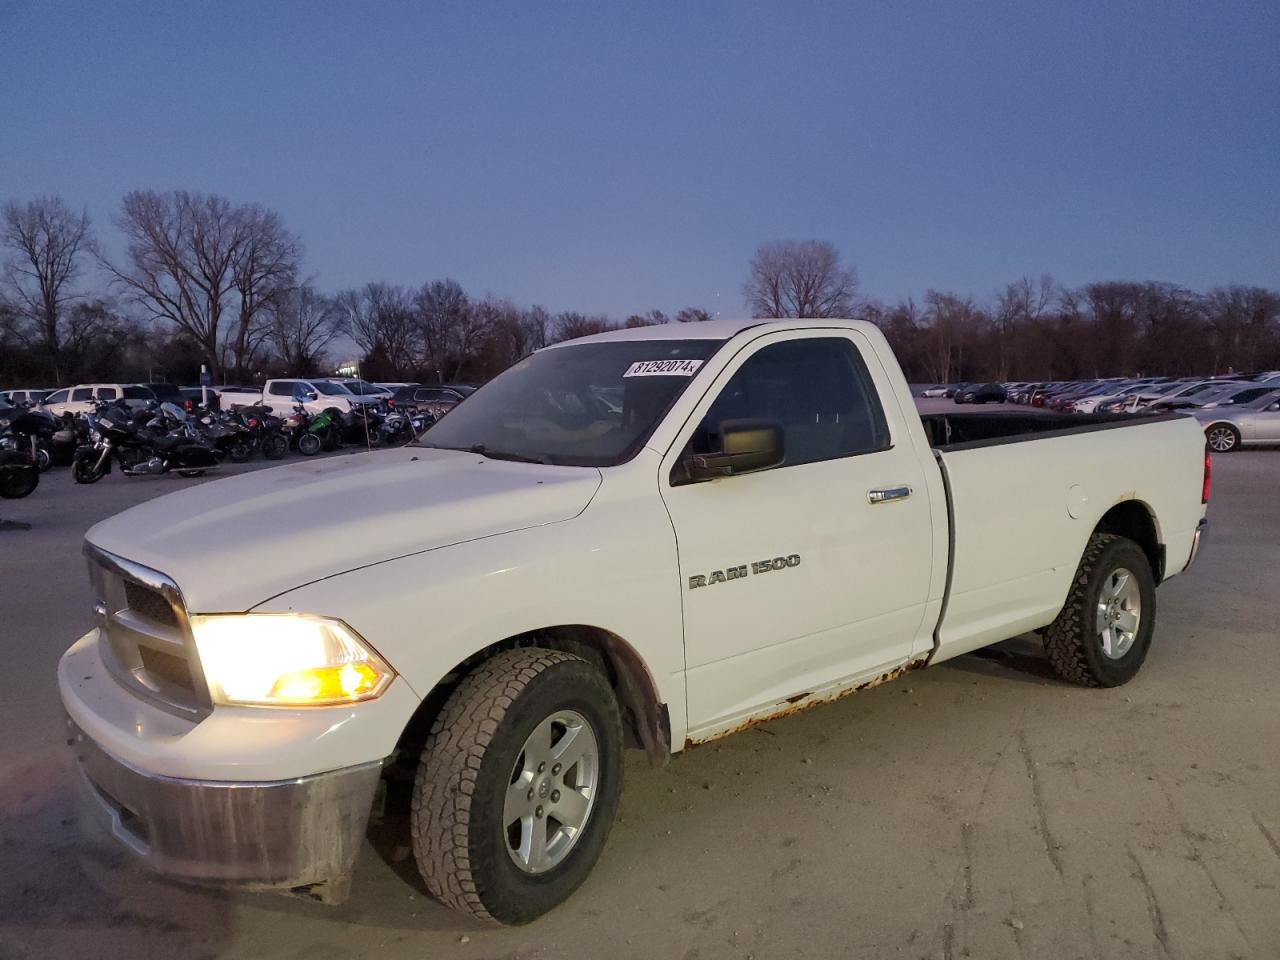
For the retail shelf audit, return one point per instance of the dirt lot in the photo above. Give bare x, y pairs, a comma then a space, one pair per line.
980, 809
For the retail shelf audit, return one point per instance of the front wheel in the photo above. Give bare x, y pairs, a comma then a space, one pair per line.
190, 473
309, 444
518, 785
240, 452
1222, 438
1102, 635
85, 470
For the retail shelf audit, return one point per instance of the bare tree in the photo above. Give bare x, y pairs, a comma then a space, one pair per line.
1018, 305
653, 318
302, 324
265, 267
537, 324
451, 331
43, 239
790, 278
180, 261
571, 326
381, 320
692, 315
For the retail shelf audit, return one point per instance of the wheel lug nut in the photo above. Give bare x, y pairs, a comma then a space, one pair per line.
538, 813
556, 768
531, 794
555, 796
541, 767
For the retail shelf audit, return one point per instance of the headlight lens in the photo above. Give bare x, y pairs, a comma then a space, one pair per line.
287, 660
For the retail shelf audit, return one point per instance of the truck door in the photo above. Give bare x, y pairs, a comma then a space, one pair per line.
813, 573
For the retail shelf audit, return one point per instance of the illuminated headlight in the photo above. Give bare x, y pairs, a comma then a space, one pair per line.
286, 660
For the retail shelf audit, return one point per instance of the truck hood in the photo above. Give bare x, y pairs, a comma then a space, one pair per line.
231, 544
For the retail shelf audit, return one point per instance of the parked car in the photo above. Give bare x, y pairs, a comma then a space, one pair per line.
935, 392
435, 401
315, 394
1235, 396
363, 388
29, 396
1243, 425
981, 393
665, 570
81, 398
207, 397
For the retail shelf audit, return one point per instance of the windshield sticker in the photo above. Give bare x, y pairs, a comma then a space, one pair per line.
663, 368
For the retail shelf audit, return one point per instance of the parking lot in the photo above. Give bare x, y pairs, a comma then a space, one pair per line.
982, 809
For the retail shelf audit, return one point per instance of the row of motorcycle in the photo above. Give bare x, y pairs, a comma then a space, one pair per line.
164, 438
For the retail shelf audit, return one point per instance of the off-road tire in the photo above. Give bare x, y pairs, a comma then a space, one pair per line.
458, 838
1072, 641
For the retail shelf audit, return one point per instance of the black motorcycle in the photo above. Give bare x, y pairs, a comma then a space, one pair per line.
145, 444
31, 432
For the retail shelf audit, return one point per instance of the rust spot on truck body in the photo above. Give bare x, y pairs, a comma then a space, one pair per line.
804, 701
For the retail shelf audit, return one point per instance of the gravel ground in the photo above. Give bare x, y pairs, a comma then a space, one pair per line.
981, 809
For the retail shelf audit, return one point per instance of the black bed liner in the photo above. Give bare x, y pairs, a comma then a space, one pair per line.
968, 431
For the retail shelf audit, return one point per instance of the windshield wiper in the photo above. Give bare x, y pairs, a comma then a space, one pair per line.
484, 451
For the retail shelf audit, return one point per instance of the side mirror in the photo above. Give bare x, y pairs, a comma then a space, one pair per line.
746, 446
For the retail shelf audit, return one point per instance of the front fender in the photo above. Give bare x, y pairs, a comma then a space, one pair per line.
613, 567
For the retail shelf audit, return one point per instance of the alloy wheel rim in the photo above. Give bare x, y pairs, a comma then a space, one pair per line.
1119, 613
551, 792
1221, 439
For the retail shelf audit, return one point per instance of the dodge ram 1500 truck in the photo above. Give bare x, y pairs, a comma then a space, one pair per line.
655, 536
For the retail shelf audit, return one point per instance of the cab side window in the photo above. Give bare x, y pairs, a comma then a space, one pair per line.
282, 388
817, 388
82, 393
106, 393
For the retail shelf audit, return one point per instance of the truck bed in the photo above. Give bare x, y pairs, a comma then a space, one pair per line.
1021, 514
964, 431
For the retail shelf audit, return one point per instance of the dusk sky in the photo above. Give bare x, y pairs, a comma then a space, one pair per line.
621, 157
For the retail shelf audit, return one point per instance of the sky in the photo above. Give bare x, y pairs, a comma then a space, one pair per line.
618, 157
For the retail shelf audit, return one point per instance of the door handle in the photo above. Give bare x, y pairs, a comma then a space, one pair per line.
886, 494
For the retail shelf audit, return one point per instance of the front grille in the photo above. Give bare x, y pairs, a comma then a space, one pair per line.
147, 603
145, 638
167, 668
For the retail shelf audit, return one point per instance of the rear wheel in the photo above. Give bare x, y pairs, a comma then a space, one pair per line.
275, 446
190, 473
1222, 438
1102, 635
518, 785
240, 452
18, 481
308, 444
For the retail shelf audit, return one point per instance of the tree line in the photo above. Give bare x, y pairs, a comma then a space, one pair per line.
200, 280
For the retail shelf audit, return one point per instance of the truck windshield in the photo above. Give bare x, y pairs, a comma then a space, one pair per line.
589, 405
331, 389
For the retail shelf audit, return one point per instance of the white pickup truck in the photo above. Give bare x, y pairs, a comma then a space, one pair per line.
282, 396
655, 536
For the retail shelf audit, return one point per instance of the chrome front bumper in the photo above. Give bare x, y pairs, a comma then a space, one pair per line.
299, 836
